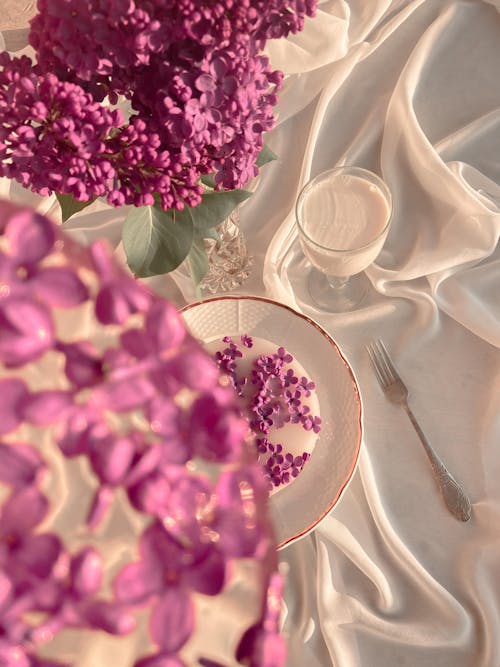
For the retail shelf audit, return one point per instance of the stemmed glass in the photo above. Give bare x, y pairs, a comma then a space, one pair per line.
343, 217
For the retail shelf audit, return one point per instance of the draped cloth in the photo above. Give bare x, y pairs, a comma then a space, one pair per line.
410, 90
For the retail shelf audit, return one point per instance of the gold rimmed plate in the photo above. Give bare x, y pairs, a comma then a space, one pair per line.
298, 507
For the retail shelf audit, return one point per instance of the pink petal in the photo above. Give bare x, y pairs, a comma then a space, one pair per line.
39, 554
111, 459
26, 331
259, 648
208, 576
45, 407
86, 572
101, 502
13, 656
120, 299
19, 464
161, 661
59, 286
12, 391
23, 511
108, 616
123, 395
195, 369
137, 582
144, 464
172, 620
6, 589
31, 236
151, 495
164, 326
83, 367
136, 343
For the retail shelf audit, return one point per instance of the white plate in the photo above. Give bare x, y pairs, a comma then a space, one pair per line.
298, 507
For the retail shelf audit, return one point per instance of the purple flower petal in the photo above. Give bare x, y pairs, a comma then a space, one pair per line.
120, 299
111, 458
207, 576
39, 554
108, 616
136, 343
6, 588
83, 367
26, 331
164, 326
86, 572
45, 407
31, 236
59, 286
172, 620
151, 495
101, 502
123, 395
194, 369
13, 656
12, 392
160, 660
19, 464
137, 582
259, 648
23, 510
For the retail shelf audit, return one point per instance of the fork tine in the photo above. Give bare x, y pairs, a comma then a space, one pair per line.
372, 353
391, 369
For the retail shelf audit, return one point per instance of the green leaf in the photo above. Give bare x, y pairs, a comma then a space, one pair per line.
207, 234
156, 241
215, 207
198, 261
70, 206
266, 155
208, 180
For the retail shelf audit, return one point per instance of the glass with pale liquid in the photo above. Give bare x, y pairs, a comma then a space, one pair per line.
343, 218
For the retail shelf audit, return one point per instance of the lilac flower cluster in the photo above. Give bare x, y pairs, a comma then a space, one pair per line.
201, 90
274, 396
195, 526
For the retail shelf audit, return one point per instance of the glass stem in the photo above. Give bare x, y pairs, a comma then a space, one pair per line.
337, 282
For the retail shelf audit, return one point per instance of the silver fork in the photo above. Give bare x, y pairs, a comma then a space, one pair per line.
396, 391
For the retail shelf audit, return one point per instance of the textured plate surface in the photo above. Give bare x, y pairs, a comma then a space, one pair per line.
298, 507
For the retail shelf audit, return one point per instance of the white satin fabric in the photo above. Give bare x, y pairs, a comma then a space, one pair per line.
411, 90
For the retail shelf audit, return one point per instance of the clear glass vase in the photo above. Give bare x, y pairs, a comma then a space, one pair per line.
229, 263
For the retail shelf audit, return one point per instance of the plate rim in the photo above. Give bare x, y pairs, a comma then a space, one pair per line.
357, 395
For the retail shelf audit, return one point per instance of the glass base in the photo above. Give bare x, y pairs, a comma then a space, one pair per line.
337, 295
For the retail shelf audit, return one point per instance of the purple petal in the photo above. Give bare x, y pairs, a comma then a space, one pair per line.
259, 648
83, 366
12, 391
111, 458
137, 582
172, 620
79, 431
120, 299
13, 656
136, 343
86, 572
123, 395
108, 616
6, 588
59, 286
101, 502
39, 554
151, 495
143, 464
23, 510
160, 660
208, 576
45, 407
31, 236
26, 331
195, 370
19, 464
164, 326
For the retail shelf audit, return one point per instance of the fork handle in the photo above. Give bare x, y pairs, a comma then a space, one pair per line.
454, 496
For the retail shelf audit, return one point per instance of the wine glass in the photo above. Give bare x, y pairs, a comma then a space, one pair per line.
343, 218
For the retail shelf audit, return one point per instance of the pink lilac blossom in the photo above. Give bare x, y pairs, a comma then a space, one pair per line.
274, 395
196, 526
202, 91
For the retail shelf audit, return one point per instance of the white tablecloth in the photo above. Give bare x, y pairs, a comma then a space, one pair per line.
411, 90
